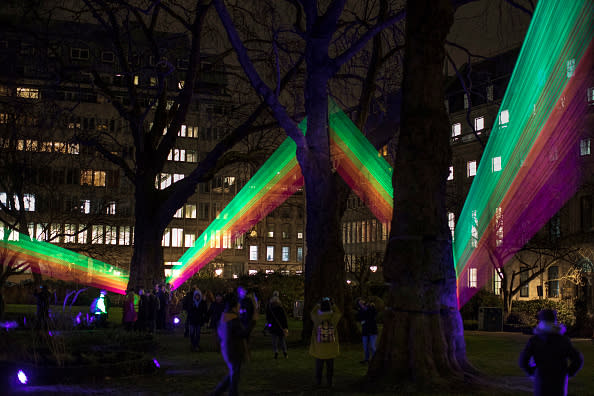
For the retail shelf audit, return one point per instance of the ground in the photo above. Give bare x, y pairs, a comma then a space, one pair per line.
183, 372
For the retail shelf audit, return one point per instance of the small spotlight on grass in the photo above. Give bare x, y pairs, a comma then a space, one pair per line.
22, 377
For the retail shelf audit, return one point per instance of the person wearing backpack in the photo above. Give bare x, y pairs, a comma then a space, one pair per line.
324, 346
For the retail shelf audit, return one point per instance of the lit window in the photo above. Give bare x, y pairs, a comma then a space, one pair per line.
299, 235
81, 236
474, 229
136, 79
471, 168
111, 208
99, 178
504, 117
182, 131
191, 156
190, 211
270, 234
479, 123
29, 202
189, 240
472, 277
69, 233
28, 93
269, 253
153, 81
111, 235
166, 241
498, 226
252, 272
497, 281
253, 253
97, 234
452, 223
451, 174
285, 253
85, 206
300, 254
585, 147
179, 214
456, 129
177, 235
570, 68
490, 93
496, 164
124, 238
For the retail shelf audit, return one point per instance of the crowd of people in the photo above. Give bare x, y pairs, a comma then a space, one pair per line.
549, 356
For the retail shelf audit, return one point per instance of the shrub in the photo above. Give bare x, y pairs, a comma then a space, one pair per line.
482, 298
525, 311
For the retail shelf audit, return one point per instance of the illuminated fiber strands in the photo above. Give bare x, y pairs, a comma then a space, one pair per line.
366, 172
274, 182
528, 169
356, 161
56, 262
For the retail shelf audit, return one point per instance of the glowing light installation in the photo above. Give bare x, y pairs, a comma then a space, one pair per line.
544, 105
56, 262
356, 160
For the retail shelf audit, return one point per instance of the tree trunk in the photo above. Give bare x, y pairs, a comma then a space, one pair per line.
422, 340
146, 267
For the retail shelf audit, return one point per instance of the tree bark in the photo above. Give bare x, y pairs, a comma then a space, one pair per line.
422, 340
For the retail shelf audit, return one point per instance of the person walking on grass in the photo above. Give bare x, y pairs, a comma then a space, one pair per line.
196, 318
233, 335
545, 357
324, 346
277, 325
366, 315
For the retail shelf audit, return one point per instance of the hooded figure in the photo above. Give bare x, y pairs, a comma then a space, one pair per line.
196, 318
546, 354
233, 335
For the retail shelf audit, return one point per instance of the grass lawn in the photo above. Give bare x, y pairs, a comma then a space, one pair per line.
183, 372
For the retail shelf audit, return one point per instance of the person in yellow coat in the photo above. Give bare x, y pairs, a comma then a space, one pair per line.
324, 346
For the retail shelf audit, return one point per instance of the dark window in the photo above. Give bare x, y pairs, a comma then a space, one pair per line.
553, 282
524, 289
586, 213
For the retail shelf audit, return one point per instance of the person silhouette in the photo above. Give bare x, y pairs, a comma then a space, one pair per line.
546, 354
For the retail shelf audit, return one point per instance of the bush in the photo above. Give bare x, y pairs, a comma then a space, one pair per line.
482, 298
524, 312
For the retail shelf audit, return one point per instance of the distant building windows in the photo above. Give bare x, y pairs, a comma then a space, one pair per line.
27, 93
452, 223
189, 240
472, 278
270, 233
97, 234
471, 168
300, 254
504, 118
79, 53
179, 214
496, 164
479, 123
177, 237
253, 253
125, 235
570, 68
451, 174
285, 253
89, 177
269, 253
299, 234
497, 281
553, 282
474, 236
190, 211
85, 206
456, 129
524, 287
585, 147
110, 209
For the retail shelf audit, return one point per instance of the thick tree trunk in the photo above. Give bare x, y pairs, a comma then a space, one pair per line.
422, 340
324, 262
146, 267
